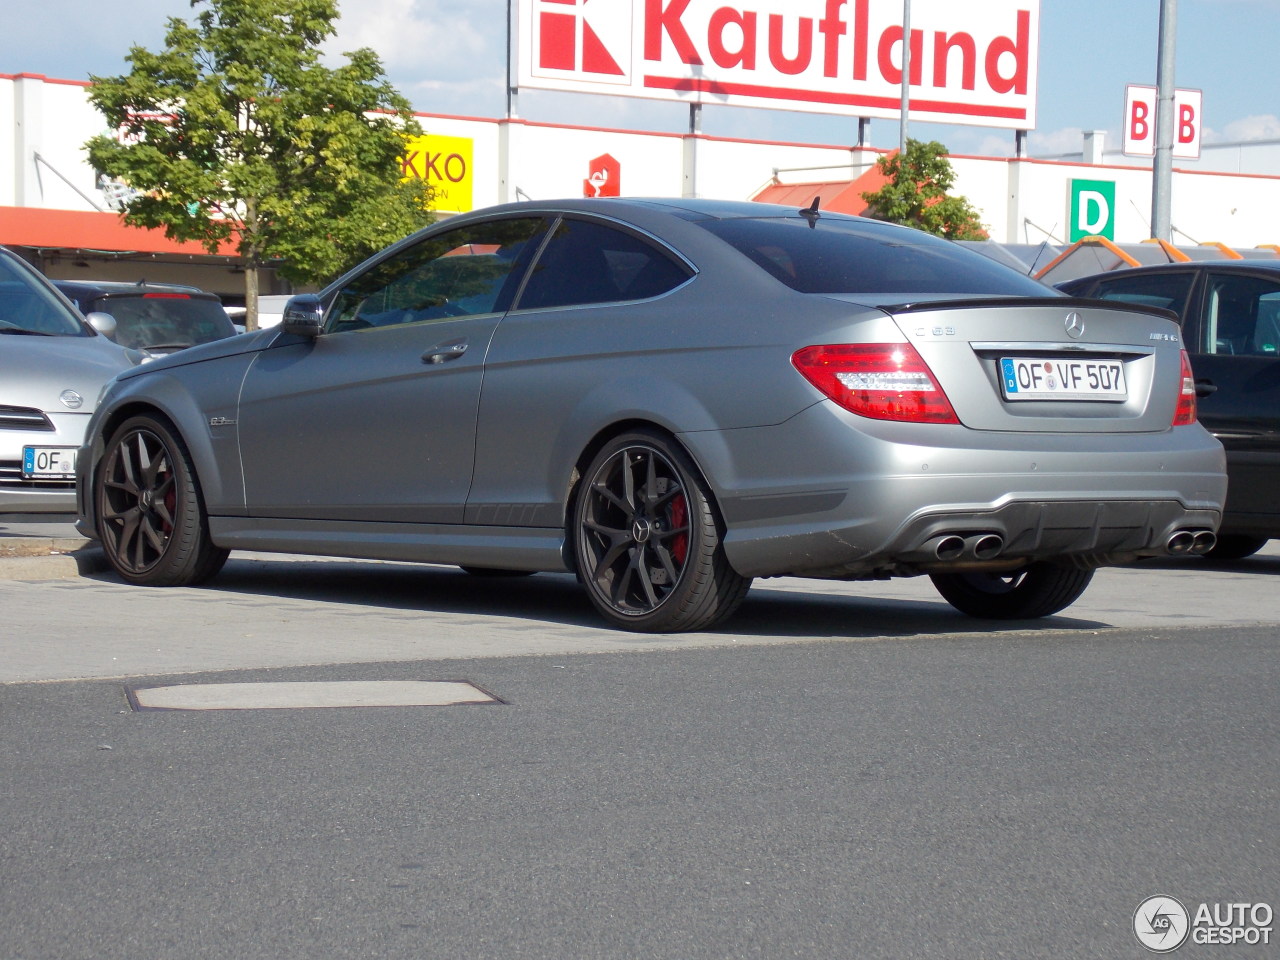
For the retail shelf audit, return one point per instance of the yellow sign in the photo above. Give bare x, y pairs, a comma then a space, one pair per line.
445, 163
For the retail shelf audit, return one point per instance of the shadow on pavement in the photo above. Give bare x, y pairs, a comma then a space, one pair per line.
550, 598
1257, 565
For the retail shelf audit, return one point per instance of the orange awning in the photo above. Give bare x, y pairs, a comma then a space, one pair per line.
90, 232
838, 196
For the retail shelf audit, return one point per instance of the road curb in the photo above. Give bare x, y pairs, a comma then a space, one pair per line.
47, 558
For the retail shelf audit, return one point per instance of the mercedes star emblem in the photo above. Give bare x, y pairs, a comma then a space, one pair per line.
1075, 326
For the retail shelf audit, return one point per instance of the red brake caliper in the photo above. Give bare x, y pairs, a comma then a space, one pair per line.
679, 517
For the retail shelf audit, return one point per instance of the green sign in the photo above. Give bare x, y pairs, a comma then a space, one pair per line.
1093, 209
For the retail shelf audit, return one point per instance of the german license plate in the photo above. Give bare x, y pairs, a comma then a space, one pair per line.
1028, 378
49, 463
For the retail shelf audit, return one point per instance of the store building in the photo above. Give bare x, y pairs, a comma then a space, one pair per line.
55, 212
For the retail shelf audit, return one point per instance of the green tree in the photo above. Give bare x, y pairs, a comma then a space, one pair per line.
236, 131
916, 194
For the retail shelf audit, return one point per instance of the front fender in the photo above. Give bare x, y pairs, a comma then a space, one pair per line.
201, 405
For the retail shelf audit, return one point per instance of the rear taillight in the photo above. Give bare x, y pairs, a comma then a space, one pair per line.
884, 381
166, 296
1186, 410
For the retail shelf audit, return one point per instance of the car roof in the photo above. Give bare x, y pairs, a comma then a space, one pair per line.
118, 288
1227, 266
687, 208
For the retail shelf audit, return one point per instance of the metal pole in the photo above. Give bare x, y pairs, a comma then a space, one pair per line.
511, 93
906, 76
1162, 169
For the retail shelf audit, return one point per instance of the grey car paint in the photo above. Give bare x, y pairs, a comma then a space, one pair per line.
356, 444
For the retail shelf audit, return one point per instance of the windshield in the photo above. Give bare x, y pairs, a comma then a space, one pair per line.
166, 320
835, 255
27, 307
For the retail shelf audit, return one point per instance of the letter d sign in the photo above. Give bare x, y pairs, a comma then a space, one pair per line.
1093, 209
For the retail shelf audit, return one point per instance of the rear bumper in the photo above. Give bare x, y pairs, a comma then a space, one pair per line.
832, 494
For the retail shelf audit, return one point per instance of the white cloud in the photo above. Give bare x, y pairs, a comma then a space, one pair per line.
1258, 127
418, 40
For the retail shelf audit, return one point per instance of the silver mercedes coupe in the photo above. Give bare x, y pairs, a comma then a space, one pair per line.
670, 398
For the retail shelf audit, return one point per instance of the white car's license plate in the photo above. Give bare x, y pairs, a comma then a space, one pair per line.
49, 463
1036, 378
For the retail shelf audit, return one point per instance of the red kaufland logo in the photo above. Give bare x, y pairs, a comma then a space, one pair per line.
590, 37
970, 62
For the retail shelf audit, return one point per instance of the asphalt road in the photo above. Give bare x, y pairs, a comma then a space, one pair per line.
845, 771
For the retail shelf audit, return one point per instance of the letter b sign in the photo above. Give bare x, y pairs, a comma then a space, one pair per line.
1140, 122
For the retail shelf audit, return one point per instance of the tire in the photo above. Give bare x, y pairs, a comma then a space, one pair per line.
1036, 590
1235, 546
648, 540
151, 520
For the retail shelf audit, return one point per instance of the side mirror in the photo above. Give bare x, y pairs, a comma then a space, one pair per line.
303, 315
104, 323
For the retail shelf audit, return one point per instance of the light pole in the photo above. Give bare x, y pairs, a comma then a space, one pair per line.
1162, 168
906, 77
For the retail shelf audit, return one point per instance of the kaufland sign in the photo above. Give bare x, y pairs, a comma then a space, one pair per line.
971, 63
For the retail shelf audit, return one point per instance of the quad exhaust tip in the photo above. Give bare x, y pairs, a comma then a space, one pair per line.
986, 546
1191, 542
950, 547
974, 546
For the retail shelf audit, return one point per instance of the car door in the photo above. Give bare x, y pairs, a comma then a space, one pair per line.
592, 306
1234, 333
375, 419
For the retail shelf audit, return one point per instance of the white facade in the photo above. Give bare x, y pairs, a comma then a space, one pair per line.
44, 124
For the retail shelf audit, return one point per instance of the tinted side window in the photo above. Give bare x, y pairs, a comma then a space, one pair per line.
1242, 316
459, 273
859, 256
1168, 290
164, 319
587, 262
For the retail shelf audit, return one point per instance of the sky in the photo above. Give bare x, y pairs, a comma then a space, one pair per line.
448, 57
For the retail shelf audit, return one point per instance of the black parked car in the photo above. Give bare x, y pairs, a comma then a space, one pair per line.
1230, 315
156, 318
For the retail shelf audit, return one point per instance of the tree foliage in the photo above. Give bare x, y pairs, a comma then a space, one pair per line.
916, 194
236, 131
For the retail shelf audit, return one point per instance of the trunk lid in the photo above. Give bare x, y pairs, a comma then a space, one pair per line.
1052, 365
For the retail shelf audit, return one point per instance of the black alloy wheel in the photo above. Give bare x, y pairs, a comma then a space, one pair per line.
1036, 590
648, 542
151, 519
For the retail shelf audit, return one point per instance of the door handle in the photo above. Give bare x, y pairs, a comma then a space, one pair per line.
444, 352
1205, 387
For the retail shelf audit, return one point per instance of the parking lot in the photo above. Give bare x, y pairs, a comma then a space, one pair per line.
843, 770
271, 611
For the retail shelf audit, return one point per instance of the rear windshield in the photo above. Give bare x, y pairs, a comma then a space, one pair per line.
166, 320
27, 307
860, 256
